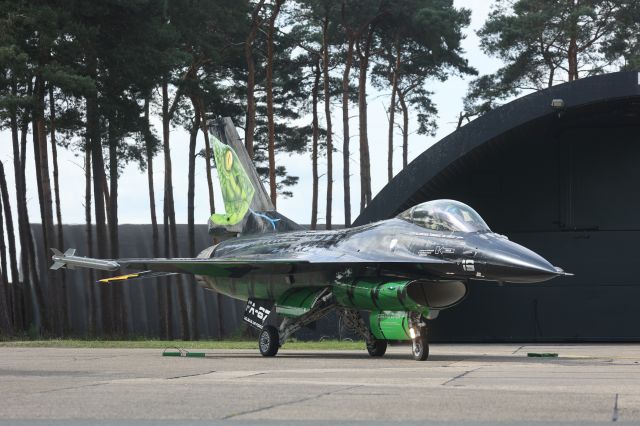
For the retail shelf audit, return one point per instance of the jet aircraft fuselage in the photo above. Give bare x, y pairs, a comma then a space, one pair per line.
479, 255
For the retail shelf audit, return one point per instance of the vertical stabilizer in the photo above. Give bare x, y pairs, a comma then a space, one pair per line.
248, 207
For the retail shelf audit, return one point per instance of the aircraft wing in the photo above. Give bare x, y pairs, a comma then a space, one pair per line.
231, 267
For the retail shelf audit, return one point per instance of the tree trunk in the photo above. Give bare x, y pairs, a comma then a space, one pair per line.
200, 110
11, 239
573, 59
5, 316
250, 126
56, 190
152, 197
193, 137
314, 149
170, 214
269, 90
327, 113
167, 310
572, 51
365, 168
392, 108
91, 305
97, 164
120, 312
30, 270
18, 297
405, 129
155, 239
42, 162
345, 133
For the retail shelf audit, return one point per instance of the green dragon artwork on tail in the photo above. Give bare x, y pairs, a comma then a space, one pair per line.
237, 190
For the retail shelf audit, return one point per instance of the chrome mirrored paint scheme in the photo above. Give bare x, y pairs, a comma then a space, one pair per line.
403, 270
393, 249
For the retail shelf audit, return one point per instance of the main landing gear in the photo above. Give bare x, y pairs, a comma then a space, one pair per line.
269, 341
355, 323
271, 338
377, 348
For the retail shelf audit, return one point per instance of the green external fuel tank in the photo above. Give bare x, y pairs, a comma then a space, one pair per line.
381, 295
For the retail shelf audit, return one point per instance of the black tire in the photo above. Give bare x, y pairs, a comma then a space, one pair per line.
269, 341
377, 348
420, 348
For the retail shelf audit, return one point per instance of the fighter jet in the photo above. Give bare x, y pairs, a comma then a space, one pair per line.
402, 271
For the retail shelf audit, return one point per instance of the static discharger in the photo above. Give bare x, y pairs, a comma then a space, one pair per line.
179, 352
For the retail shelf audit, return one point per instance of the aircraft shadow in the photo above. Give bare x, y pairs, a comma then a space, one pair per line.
401, 356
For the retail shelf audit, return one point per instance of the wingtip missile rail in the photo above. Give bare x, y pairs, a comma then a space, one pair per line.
69, 260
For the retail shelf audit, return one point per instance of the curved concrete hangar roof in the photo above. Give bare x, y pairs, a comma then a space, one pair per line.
605, 99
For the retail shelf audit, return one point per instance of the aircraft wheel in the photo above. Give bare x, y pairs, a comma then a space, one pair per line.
269, 341
377, 348
420, 348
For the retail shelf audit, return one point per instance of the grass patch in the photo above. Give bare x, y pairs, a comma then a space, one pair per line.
162, 344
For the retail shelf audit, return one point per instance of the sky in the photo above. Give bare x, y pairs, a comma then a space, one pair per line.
133, 196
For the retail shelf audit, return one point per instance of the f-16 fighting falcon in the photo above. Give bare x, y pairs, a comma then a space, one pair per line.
403, 270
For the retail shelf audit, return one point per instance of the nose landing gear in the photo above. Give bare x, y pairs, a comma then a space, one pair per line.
418, 334
420, 347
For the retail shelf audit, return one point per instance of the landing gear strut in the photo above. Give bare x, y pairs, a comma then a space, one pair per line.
355, 323
419, 342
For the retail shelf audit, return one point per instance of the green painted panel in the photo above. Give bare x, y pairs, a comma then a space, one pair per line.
390, 325
237, 190
297, 301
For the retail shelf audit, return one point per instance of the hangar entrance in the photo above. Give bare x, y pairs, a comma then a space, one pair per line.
565, 184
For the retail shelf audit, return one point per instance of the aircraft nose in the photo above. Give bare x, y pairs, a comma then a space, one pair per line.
517, 264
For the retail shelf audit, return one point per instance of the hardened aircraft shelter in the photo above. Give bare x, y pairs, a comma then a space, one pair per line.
559, 172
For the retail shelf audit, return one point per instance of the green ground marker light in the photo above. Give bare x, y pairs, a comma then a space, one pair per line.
179, 352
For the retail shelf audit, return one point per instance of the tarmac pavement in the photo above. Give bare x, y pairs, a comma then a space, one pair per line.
459, 384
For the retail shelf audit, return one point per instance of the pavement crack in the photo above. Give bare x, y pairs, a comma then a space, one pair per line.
191, 375
459, 376
614, 416
517, 350
282, 404
73, 387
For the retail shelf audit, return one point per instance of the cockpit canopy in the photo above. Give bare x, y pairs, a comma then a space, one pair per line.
445, 215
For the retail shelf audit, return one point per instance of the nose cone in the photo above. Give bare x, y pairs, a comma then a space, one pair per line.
511, 262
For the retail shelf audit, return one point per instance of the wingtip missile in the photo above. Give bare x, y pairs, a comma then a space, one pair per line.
69, 260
